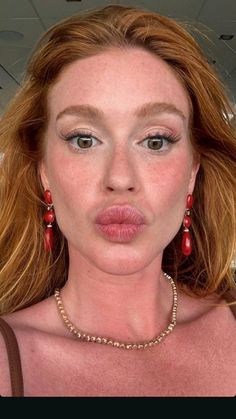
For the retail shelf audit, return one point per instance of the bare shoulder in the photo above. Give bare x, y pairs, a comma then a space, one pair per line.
210, 324
211, 308
5, 383
31, 323
34, 317
28, 325
211, 327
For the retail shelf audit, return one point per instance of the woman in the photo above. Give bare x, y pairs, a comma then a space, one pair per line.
118, 214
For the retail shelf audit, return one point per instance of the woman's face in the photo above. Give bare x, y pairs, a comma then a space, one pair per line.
132, 150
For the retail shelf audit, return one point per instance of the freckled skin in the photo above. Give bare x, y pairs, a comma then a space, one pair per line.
120, 170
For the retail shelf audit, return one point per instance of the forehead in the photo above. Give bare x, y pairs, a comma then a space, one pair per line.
118, 80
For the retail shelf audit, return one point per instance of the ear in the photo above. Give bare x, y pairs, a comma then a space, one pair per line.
194, 171
43, 175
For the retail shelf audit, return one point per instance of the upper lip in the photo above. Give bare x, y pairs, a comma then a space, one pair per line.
120, 214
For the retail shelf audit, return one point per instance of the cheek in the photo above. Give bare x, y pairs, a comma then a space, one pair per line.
70, 186
170, 178
167, 189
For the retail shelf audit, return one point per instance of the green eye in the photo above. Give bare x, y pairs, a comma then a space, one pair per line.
155, 144
159, 142
83, 142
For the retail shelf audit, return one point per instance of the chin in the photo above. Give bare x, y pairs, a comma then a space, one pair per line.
119, 270
121, 263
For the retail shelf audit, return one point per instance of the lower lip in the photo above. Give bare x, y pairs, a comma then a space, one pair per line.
120, 232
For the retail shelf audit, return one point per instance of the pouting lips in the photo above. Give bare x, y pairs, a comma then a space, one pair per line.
120, 215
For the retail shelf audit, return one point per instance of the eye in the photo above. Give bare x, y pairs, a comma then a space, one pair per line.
81, 140
159, 141
155, 143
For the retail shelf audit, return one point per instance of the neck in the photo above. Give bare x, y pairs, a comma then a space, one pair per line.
130, 307
105, 340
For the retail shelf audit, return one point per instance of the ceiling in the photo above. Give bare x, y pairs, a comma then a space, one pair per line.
32, 17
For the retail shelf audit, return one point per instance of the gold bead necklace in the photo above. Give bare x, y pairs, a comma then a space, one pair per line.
79, 334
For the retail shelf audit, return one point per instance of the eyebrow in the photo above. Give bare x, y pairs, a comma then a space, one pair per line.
146, 110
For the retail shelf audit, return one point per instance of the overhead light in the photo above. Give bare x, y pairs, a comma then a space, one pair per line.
11, 36
211, 60
226, 37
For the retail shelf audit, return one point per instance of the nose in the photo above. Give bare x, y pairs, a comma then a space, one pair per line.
121, 174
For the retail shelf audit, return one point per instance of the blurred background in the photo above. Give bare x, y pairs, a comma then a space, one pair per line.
22, 22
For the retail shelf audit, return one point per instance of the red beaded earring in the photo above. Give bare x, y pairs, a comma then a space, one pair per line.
186, 239
49, 218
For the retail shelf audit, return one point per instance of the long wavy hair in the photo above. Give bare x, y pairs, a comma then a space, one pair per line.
27, 273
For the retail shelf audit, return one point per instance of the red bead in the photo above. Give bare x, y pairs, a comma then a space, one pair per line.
187, 221
189, 202
186, 243
48, 239
49, 216
48, 197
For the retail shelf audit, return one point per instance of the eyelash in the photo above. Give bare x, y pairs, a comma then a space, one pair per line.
166, 137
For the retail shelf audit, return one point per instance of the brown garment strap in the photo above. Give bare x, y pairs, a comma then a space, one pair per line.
13, 358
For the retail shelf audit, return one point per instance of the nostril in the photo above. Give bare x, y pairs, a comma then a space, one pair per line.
109, 188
